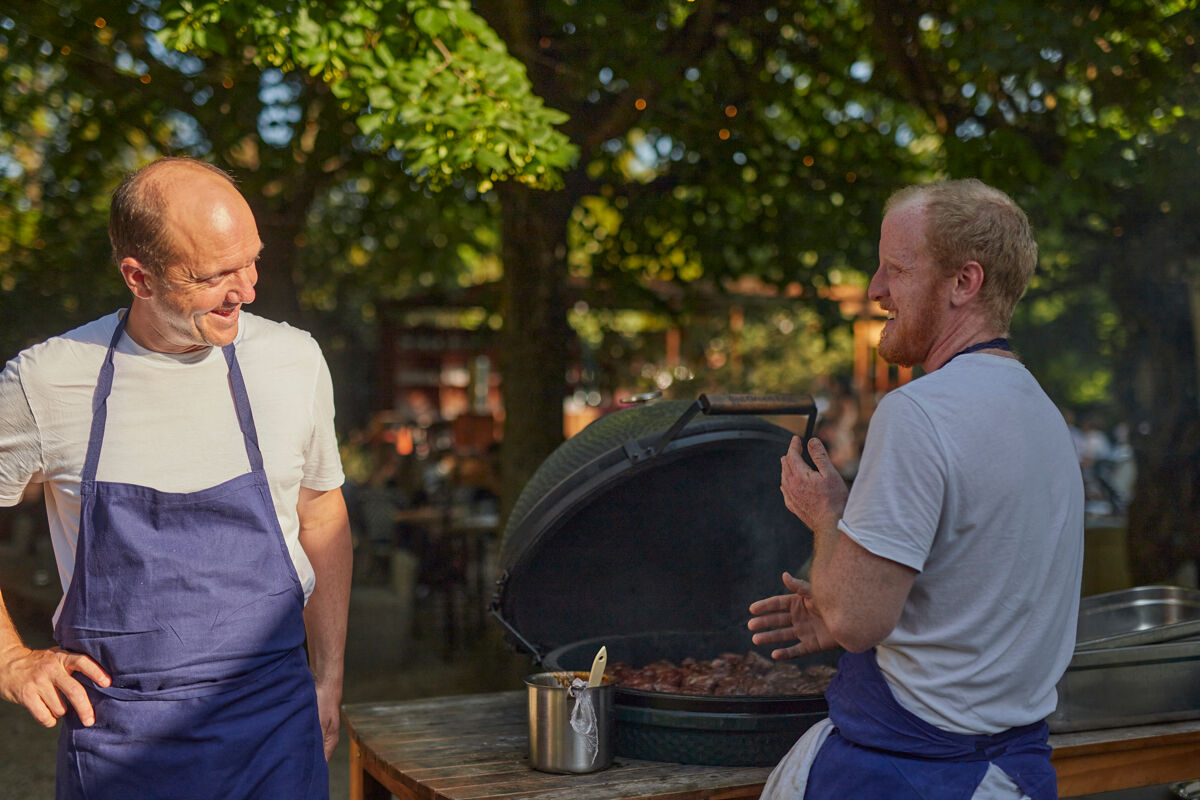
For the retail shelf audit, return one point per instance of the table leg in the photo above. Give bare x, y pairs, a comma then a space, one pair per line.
363, 785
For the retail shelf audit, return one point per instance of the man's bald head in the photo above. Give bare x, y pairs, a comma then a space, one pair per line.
138, 221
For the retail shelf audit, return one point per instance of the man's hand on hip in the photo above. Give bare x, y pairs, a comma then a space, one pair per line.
40, 680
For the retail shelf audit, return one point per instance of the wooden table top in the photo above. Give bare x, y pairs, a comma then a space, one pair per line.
475, 747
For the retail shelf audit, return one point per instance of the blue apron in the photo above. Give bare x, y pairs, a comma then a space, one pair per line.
879, 749
192, 605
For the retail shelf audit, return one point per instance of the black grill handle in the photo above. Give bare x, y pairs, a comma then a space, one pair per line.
768, 404
737, 404
758, 404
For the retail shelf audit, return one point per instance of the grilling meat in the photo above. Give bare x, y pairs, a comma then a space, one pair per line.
729, 674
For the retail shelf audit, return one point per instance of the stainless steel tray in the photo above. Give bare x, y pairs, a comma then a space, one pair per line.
1120, 686
1141, 615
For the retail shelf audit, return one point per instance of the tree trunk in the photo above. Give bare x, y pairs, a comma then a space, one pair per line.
536, 335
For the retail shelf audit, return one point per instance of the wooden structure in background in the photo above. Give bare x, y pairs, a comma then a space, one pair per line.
429, 370
431, 374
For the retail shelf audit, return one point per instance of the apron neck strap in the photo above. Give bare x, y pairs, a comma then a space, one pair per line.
241, 401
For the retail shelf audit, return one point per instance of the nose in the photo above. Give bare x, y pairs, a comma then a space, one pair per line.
877, 289
242, 290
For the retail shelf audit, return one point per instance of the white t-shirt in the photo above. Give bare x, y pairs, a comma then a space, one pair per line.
171, 423
969, 476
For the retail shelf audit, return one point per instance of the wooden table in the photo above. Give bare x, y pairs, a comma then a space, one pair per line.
475, 747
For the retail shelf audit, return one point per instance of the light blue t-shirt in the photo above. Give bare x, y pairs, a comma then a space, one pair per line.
969, 476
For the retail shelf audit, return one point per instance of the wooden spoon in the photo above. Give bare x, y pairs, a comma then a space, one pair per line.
598, 665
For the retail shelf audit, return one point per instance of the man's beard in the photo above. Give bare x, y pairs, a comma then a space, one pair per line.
908, 342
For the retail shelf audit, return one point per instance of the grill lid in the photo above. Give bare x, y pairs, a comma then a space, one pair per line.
657, 517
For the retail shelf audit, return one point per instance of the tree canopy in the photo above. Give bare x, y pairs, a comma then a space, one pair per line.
430, 80
388, 144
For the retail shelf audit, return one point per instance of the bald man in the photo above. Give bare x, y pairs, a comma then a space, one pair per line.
192, 484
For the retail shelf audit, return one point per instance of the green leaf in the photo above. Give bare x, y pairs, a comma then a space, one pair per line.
431, 20
492, 161
380, 97
369, 123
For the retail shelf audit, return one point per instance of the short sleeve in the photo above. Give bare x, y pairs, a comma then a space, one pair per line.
322, 460
20, 446
898, 494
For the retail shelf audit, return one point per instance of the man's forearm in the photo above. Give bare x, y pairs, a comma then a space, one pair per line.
826, 596
10, 640
325, 537
325, 626
859, 595
825, 538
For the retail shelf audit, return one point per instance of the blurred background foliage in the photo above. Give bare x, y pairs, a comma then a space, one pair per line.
613, 168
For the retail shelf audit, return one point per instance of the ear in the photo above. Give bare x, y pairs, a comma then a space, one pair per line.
137, 277
967, 283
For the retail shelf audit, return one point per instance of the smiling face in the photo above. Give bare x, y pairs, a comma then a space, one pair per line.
196, 301
909, 287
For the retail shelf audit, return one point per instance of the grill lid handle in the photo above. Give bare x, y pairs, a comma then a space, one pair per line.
735, 404
769, 404
758, 404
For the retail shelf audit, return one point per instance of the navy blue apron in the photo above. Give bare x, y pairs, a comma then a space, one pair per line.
192, 605
879, 749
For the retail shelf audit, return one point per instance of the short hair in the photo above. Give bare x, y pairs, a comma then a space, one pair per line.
136, 218
967, 220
